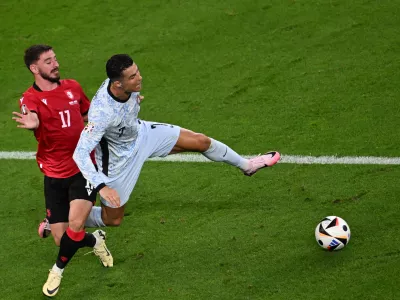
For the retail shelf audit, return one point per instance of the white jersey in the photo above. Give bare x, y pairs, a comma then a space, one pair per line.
114, 130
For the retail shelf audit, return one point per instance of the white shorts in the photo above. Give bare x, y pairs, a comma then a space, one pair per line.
157, 140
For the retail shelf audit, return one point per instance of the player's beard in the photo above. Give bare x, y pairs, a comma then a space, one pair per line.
51, 76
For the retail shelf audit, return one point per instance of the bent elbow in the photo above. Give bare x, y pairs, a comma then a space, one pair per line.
75, 157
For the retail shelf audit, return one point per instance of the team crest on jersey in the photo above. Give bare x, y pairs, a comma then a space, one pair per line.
89, 127
69, 94
44, 101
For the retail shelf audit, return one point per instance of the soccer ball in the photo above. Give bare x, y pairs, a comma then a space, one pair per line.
332, 233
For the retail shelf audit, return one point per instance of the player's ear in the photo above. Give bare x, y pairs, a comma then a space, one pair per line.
34, 69
118, 83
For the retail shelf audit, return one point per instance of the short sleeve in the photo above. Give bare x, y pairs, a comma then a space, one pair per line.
30, 101
84, 101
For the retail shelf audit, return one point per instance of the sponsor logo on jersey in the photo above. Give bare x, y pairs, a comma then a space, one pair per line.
44, 101
69, 94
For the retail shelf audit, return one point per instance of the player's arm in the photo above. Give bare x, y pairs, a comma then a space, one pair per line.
85, 117
90, 137
27, 119
88, 140
84, 103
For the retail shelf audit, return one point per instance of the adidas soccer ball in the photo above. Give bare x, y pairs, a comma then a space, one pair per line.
332, 233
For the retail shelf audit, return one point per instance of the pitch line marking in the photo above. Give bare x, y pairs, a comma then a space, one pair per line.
286, 159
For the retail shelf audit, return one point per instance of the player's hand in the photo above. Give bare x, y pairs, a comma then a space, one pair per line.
140, 99
111, 196
26, 119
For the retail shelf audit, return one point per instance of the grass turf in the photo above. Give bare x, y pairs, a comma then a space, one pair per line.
302, 77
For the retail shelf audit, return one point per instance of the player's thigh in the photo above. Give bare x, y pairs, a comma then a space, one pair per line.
160, 139
191, 141
125, 181
80, 188
82, 196
56, 199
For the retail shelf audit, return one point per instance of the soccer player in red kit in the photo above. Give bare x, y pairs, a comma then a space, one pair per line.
56, 110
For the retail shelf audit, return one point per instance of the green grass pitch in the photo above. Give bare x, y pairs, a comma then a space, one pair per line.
301, 77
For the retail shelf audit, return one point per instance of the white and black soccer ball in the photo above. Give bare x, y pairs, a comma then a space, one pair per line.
332, 233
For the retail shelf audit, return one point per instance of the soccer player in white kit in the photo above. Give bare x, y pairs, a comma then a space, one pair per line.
123, 142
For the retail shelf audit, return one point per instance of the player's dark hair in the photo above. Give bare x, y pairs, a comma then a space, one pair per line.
33, 53
117, 64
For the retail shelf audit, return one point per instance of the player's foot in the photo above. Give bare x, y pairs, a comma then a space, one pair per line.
262, 161
101, 249
44, 228
52, 284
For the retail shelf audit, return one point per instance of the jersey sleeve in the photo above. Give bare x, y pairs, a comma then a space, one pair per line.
30, 102
99, 120
84, 101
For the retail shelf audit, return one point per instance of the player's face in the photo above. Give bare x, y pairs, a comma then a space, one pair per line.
47, 66
131, 79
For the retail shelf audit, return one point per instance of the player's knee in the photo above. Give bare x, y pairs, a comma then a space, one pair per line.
76, 225
203, 142
115, 222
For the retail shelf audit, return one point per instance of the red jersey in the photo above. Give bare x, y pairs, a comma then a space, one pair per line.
60, 125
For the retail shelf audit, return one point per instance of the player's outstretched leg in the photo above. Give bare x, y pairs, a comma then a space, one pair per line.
262, 161
101, 250
218, 151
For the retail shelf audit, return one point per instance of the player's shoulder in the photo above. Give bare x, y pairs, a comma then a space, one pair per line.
68, 83
100, 105
102, 92
104, 84
29, 94
29, 91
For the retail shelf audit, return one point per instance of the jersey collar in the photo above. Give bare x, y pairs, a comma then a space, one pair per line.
36, 87
112, 95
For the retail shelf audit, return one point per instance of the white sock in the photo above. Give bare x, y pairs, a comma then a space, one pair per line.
222, 153
57, 269
94, 219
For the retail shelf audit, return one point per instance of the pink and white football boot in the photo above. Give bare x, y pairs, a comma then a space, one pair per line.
262, 161
44, 228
